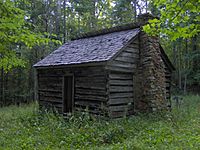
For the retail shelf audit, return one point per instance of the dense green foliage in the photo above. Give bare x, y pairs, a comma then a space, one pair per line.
178, 19
14, 32
25, 127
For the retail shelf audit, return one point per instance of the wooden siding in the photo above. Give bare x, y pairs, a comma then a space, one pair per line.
89, 88
121, 72
126, 61
50, 89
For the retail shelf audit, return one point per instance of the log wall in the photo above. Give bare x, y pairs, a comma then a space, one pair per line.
89, 88
121, 81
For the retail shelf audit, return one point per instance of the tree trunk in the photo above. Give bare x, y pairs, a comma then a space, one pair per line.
57, 18
194, 49
64, 21
135, 9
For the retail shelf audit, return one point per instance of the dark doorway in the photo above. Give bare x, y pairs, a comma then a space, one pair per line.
68, 94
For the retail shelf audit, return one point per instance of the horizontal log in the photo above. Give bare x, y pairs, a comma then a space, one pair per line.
90, 91
90, 97
91, 86
50, 98
122, 64
127, 54
120, 76
132, 49
120, 69
90, 80
50, 90
135, 46
49, 80
49, 76
121, 89
50, 87
90, 73
121, 95
117, 101
122, 108
53, 94
120, 82
127, 59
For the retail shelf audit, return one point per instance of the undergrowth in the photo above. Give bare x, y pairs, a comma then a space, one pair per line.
27, 128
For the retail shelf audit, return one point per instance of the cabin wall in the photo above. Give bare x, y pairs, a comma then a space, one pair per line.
50, 88
89, 88
121, 81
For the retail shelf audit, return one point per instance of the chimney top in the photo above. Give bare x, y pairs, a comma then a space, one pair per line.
144, 18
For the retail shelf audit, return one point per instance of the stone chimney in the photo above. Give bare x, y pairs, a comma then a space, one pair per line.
144, 18
151, 73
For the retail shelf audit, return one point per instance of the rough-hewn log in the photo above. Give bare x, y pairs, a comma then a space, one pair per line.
117, 101
90, 91
121, 88
120, 76
121, 95
90, 97
120, 82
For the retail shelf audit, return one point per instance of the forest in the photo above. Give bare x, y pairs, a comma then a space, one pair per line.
31, 29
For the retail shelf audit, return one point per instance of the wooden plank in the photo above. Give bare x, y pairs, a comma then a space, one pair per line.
90, 97
120, 82
51, 98
127, 54
49, 90
133, 49
114, 101
57, 94
121, 88
121, 95
89, 86
89, 80
92, 72
120, 69
127, 59
122, 64
120, 76
90, 91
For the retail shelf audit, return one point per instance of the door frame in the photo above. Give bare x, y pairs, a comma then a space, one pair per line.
64, 109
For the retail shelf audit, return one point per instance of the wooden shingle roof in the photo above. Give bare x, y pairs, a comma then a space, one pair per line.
98, 47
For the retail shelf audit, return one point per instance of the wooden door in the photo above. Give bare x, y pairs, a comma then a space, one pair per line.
68, 94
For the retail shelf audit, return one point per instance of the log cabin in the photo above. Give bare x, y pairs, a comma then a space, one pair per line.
114, 72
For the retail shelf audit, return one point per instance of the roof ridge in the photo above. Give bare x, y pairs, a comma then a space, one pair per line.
118, 28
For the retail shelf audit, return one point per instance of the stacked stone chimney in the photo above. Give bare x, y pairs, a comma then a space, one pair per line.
151, 83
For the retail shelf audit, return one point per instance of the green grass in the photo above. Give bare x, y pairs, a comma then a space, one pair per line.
26, 128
